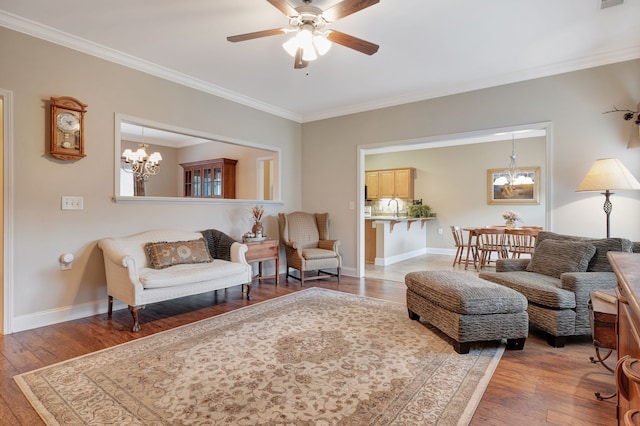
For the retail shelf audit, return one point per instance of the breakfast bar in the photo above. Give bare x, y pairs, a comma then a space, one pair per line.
391, 239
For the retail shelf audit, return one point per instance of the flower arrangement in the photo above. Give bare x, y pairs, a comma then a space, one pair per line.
511, 216
256, 213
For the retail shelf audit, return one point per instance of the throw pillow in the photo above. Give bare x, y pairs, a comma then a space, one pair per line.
599, 262
554, 257
163, 254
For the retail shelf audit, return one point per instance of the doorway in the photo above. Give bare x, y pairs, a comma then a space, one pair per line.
452, 152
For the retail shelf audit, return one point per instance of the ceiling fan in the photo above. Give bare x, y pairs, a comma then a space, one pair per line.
308, 23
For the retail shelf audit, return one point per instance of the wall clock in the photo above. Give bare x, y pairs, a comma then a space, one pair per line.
67, 128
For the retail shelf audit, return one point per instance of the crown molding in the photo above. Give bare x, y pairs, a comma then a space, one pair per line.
515, 77
53, 35
62, 38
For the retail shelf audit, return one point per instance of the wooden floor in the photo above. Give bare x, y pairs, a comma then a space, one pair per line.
536, 386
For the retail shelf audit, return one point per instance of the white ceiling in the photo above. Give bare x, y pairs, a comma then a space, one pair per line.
428, 48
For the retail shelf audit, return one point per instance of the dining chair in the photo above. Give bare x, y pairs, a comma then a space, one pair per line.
489, 241
522, 241
462, 247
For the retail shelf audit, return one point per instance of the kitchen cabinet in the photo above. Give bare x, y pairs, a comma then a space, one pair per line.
369, 241
210, 178
371, 180
391, 183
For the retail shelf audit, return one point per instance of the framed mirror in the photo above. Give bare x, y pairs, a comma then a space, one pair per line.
159, 162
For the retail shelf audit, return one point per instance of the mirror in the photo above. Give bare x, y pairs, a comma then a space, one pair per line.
193, 166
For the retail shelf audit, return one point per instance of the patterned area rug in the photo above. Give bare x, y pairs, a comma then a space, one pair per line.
315, 357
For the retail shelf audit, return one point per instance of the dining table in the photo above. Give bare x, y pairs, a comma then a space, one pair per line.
473, 234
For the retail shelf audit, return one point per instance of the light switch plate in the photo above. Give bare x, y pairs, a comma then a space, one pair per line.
72, 203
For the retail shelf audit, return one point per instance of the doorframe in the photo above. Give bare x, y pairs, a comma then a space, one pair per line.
7, 198
448, 140
260, 176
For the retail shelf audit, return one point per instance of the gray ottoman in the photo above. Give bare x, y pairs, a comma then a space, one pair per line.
467, 309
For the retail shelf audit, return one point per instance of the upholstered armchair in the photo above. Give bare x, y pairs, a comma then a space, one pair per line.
307, 245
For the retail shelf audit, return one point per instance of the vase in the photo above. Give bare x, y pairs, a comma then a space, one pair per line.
257, 229
510, 224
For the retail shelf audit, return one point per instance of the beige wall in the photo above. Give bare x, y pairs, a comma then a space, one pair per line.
34, 71
572, 102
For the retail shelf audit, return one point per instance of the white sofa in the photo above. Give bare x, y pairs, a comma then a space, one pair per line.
132, 280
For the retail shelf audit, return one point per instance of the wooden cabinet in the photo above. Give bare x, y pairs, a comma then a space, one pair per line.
390, 183
260, 251
386, 184
404, 183
210, 178
369, 241
627, 269
371, 180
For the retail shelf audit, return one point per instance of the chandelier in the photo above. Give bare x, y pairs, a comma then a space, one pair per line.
139, 163
513, 176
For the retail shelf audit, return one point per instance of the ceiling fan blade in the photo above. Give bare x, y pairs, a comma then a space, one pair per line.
353, 42
257, 34
283, 7
299, 62
346, 8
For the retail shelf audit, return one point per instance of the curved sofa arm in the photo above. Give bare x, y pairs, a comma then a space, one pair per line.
510, 265
329, 245
123, 280
238, 253
586, 282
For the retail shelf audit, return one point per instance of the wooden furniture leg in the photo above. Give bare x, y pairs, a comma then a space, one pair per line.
134, 313
466, 262
110, 308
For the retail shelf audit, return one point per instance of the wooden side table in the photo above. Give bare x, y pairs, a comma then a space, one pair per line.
260, 251
602, 316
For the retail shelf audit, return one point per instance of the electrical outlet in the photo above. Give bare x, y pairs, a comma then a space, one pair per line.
439, 231
72, 203
352, 205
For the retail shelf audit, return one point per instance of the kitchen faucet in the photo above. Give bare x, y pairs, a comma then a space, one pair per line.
397, 206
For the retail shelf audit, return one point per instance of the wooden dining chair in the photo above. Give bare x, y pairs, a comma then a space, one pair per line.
522, 241
462, 247
491, 240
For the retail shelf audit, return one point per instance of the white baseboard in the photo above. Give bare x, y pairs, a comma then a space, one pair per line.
55, 316
384, 261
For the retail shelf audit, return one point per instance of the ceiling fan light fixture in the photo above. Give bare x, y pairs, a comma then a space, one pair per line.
321, 43
309, 53
291, 46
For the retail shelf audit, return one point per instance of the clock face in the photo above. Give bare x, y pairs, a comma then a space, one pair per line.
68, 122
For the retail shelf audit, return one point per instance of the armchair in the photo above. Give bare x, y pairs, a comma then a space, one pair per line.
307, 247
558, 279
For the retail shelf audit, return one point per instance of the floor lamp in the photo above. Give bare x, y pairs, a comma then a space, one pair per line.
608, 174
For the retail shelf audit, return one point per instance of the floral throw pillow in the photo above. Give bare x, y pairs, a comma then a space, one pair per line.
163, 254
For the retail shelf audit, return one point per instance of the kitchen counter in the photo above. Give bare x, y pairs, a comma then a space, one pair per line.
394, 220
384, 246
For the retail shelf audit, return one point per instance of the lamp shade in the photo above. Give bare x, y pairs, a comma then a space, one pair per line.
608, 174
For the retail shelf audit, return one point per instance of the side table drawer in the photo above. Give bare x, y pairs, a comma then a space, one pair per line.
262, 250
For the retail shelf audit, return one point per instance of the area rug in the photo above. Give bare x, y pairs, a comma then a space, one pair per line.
314, 357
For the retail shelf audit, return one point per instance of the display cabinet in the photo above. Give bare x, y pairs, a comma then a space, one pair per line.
214, 178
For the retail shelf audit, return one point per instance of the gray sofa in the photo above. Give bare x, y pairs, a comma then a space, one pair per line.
557, 281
